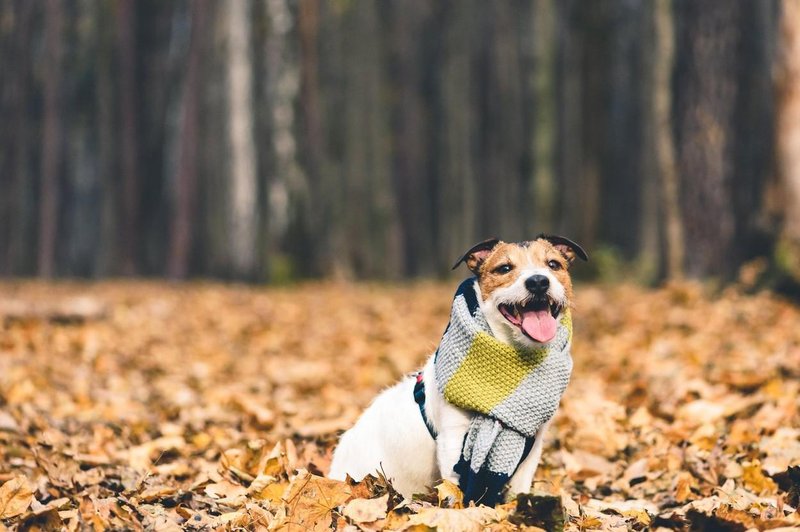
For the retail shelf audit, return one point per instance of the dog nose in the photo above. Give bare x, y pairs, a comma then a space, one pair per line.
537, 284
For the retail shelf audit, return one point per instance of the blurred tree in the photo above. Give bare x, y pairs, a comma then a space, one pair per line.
244, 188
126, 28
705, 109
354, 138
662, 68
543, 182
788, 135
185, 188
17, 225
52, 138
285, 181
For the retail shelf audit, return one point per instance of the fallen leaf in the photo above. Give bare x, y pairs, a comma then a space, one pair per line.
755, 481
312, 499
581, 465
449, 495
366, 510
466, 519
544, 511
16, 496
227, 493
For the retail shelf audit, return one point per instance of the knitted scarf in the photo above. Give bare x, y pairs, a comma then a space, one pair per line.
513, 393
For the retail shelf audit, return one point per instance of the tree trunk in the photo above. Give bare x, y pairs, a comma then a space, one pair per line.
129, 160
788, 135
662, 67
543, 183
244, 189
52, 139
706, 107
456, 170
285, 181
20, 255
186, 175
408, 163
106, 259
620, 211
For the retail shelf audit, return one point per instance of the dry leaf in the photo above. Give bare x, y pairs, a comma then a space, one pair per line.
16, 496
227, 493
312, 499
466, 519
449, 495
755, 480
366, 510
183, 403
581, 465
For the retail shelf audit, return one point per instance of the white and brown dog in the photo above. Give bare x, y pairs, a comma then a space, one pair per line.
392, 437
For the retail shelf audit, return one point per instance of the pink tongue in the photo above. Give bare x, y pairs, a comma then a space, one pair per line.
539, 325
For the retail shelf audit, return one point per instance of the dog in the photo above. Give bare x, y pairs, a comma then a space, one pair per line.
523, 288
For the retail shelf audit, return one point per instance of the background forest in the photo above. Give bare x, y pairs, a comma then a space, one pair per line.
269, 141
278, 139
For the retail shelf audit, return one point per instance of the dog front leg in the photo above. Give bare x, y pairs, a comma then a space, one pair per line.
453, 425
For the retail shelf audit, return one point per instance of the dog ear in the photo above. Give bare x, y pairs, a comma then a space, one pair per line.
567, 247
477, 254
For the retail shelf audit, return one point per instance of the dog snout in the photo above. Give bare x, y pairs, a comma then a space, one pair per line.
537, 284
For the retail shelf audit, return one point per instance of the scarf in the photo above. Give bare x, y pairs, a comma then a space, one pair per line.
512, 392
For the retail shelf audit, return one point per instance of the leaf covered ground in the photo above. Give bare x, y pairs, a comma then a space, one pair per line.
206, 406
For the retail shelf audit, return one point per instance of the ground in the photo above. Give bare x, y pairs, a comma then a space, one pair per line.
131, 405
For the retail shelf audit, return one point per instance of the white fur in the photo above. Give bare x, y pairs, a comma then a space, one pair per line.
390, 436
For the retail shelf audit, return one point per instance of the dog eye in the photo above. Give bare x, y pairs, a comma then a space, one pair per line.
554, 265
503, 268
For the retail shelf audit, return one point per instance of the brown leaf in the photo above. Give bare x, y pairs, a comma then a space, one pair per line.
16, 496
366, 510
227, 493
311, 501
581, 465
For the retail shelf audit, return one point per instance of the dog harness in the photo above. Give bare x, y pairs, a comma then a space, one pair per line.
419, 398
512, 393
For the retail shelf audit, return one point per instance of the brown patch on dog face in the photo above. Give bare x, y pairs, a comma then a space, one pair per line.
494, 272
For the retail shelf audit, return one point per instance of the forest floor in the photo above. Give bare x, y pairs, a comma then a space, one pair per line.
137, 405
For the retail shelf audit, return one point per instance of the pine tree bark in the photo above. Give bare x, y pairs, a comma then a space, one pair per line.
543, 189
788, 134
185, 192
457, 202
243, 207
52, 139
705, 113
20, 256
106, 258
129, 130
286, 181
662, 67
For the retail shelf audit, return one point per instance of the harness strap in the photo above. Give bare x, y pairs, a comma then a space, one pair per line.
419, 398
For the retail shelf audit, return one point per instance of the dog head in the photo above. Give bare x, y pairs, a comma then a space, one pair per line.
524, 286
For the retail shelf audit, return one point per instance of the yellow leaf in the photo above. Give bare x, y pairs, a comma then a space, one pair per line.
684, 483
16, 496
449, 494
755, 480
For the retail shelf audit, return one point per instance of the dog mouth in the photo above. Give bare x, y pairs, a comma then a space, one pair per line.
536, 317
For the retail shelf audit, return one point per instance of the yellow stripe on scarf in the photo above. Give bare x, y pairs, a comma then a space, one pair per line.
492, 370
